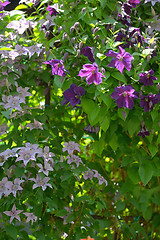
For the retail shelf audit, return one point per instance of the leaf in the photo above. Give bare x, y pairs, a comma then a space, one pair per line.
146, 172
11, 231
105, 123
114, 142
120, 206
6, 113
103, 3
119, 76
133, 173
133, 125
153, 149
148, 213
98, 146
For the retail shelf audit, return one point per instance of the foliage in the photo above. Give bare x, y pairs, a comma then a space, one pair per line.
79, 124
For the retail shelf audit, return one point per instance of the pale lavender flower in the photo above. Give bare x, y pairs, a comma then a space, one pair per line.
13, 213
20, 50
12, 102
3, 129
21, 25
6, 154
25, 155
39, 182
46, 154
152, 1
70, 147
23, 92
74, 159
47, 167
13, 54
34, 49
30, 217
35, 125
3, 187
88, 174
14, 187
34, 148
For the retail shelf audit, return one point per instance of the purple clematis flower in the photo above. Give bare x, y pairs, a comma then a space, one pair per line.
52, 11
73, 95
88, 52
147, 78
57, 67
124, 95
134, 3
143, 132
148, 102
13, 213
90, 71
120, 60
3, 4
127, 8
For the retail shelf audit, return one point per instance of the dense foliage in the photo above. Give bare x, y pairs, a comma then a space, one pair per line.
79, 124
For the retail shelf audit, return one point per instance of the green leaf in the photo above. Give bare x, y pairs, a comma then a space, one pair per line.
133, 125
39, 235
11, 231
120, 206
6, 113
105, 123
114, 142
153, 149
146, 172
70, 218
119, 76
148, 213
98, 146
103, 3
133, 173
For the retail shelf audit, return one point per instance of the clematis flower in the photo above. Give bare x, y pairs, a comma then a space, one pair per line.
143, 132
52, 11
147, 78
124, 95
148, 102
30, 217
70, 147
57, 67
90, 71
88, 52
152, 1
120, 60
13, 213
73, 95
39, 182
134, 3
3, 4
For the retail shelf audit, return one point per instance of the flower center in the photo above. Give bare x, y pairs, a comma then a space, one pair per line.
148, 75
146, 99
59, 65
93, 71
121, 58
77, 96
125, 94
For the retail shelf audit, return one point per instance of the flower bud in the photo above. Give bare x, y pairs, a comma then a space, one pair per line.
83, 10
73, 39
78, 52
80, 45
97, 37
71, 29
103, 70
65, 56
59, 29
76, 24
64, 36
95, 30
